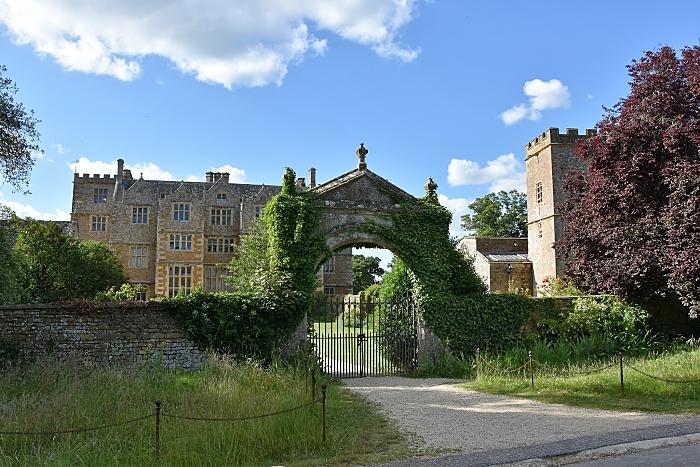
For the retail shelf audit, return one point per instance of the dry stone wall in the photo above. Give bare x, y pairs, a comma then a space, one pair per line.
105, 335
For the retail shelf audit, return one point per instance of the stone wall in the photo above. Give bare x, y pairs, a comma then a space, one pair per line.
103, 334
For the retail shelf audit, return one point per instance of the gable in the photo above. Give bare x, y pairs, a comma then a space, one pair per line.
362, 190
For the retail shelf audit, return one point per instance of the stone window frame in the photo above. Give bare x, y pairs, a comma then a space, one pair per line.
99, 195
139, 214
220, 244
98, 224
179, 279
538, 192
539, 230
257, 209
215, 278
329, 265
138, 256
221, 216
220, 196
181, 212
180, 242
329, 290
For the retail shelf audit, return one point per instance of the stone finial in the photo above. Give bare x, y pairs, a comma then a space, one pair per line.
361, 153
431, 189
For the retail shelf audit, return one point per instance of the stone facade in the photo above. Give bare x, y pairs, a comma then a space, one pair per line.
502, 263
103, 335
172, 236
547, 160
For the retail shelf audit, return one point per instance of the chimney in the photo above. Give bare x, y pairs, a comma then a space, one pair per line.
209, 177
312, 177
224, 175
301, 183
120, 169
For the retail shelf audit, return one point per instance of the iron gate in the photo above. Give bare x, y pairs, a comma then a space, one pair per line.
355, 336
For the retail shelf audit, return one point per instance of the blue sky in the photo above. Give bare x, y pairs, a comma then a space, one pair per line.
448, 89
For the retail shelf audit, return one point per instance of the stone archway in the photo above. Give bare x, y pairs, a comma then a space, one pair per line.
355, 199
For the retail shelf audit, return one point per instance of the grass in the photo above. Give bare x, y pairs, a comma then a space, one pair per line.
52, 397
560, 384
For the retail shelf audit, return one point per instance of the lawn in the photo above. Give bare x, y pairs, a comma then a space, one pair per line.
55, 397
602, 389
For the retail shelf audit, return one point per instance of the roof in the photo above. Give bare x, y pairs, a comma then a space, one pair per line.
507, 258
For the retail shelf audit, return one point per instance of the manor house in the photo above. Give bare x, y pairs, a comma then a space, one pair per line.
173, 236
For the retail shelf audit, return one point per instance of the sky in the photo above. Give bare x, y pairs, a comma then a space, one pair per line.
451, 89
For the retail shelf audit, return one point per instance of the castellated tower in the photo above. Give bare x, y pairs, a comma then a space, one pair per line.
547, 160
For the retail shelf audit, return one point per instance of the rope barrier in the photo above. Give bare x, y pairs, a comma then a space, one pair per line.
504, 370
75, 430
238, 419
662, 379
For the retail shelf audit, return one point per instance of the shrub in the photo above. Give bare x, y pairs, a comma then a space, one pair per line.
241, 324
603, 315
491, 322
124, 293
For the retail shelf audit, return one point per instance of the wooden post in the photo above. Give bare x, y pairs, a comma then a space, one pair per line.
323, 392
313, 385
478, 363
622, 376
532, 370
157, 429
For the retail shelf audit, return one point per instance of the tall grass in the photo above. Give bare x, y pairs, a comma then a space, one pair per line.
602, 389
54, 397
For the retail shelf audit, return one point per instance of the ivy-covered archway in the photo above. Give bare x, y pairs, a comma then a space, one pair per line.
359, 207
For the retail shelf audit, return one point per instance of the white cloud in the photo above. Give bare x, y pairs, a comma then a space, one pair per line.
243, 42
26, 210
458, 207
236, 175
60, 149
503, 173
514, 114
543, 95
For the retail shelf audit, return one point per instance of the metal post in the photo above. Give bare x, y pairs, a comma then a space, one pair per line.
622, 376
532, 371
313, 385
157, 429
323, 392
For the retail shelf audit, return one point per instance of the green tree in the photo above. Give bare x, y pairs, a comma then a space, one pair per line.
59, 267
365, 270
397, 281
18, 136
11, 271
502, 214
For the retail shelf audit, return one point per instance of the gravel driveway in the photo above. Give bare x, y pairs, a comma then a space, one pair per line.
446, 417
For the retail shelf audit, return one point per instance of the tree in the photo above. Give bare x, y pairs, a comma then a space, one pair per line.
633, 226
18, 136
11, 270
502, 214
397, 281
365, 270
59, 267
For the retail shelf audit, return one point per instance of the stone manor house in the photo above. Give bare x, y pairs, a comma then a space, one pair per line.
173, 236
509, 264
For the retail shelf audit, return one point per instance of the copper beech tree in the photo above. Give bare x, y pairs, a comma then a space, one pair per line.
633, 217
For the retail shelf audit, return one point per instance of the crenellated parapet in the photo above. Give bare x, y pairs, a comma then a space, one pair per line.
554, 136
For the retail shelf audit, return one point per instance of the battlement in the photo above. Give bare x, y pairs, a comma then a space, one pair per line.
553, 136
99, 177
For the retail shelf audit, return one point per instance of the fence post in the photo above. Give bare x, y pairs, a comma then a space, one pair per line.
313, 385
323, 392
622, 376
478, 363
532, 371
158, 429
